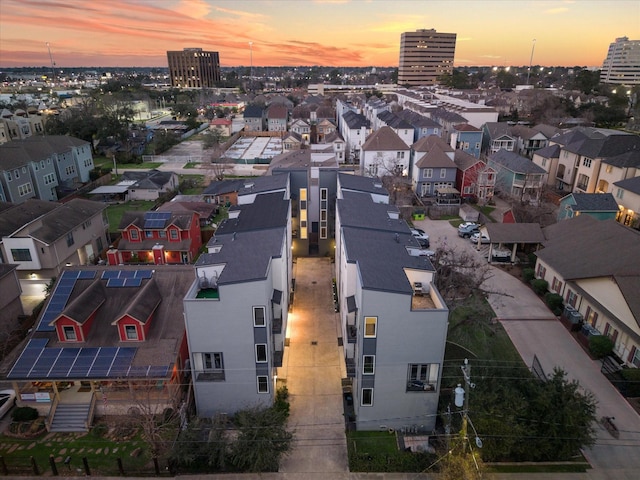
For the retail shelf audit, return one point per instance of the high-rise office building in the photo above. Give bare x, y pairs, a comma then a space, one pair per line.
622, 65
424, 56
194, 68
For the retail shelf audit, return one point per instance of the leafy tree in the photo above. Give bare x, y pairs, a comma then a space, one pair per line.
587, 81
600, 346
506, 79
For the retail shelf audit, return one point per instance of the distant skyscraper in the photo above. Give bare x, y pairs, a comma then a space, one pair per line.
622, 65
194, 68
424, 56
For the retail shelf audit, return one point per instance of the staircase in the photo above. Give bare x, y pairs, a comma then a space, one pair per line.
71, 417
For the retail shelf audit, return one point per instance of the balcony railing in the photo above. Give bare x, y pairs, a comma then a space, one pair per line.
351, 367
582, 186
352, 333
210, 376
278, 355
419, 386
276, 325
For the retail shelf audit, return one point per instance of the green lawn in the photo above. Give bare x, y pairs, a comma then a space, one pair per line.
115, 212
378, 452
191, 184
108, 163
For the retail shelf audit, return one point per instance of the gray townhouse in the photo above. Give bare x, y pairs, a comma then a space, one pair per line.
433, 166
236, 310
392, 317
74, 160
423, 126
254, 118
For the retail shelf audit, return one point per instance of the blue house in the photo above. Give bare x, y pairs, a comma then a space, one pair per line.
599, 205
517, 176
467, 138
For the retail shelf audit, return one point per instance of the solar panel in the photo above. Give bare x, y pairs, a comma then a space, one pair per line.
158, 371
122, 362
127, 274
25, 363
110, 274
102, 362
132, 282
138, 372
83, 362
70, 274
64, 363
45, 363
86, 275
58, 301
115, 282
144, 273
37, 343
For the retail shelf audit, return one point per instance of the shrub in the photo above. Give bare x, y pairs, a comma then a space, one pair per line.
24, 414
539, 286
632, 376
554, 302
532, 258
100, 430
281, 402
600, 346
528, 274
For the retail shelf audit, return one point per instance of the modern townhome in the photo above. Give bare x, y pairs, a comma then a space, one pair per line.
467, 138
384, 153
44, 237
277, 116
601, 206
324, 128
107, 341
548, 158
627, 193
393, 320
588, 262
354, 129
301, 128
20, 124
254, 118
517, 176
474, 178
433, 168
236, 308
592, 159
449, 119
157, 237
422, 125
402, 128
496, 136
27, 171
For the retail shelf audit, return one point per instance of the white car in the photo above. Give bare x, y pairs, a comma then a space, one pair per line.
7, 400
419, 234
484, 240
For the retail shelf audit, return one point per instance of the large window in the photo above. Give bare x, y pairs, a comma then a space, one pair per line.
556, 285
263, 384
258, 316
261, 353
370, 326
21, 254
25, 189
131, 332
572, 298
422, 377
133, 234
209, 366
70, 240
367, 397
368, 364
173, 234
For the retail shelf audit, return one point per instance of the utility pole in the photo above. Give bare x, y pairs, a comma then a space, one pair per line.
531, 60
53, 70
462, 400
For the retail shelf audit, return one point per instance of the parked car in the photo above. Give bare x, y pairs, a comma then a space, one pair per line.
423, 242
7, 400
466, 229
419, 234
484, 240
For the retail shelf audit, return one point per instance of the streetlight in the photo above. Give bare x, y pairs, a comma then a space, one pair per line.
531, 60
251, 63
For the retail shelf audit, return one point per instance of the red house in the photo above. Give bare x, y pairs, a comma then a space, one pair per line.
157, 237
474, 179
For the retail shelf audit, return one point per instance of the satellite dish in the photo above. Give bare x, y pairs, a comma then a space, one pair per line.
478, 442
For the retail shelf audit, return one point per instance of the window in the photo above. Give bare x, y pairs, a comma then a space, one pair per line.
209, 366
49, 178
583, 182
9, 176
323, 232
258, 316
368, 364
133, 234
263, 384
400, 155
541, 272
586, 162
619, 193
69, 333
422, 377
24, 189
428, 173
370, 326
148, 233
477, 145
173, 234
544, 162
367, 397
571, 298
131, 332
70, 170
16, 174
70, 240
609, 169
21, 254
634, 356
443, 173
465, 146
591, 317
261, 352
324, 193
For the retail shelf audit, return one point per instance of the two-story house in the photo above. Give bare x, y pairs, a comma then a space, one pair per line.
517, 176
157, 237
582, 261
354, 128
384, 153
44, 237
402, 128
254, 117
108, 340
277, 116
391, 315
467, 138
324, 128
474, 178
241, 293
548, 158
301, 128
627, 196
423, 126
496, 136
433, 167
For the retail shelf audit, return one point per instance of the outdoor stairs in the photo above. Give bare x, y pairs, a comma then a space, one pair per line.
71, 417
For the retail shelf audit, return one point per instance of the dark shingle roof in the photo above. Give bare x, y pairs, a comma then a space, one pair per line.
384, 139
65, 218
515, 163
20, 152
224, 186
357, 210
355, 120
361, 184
269, 211
550, 151
253, 111
15, 217
152, 179
594, 202
631, 184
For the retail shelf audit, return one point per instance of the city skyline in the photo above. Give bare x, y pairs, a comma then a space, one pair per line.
341, 33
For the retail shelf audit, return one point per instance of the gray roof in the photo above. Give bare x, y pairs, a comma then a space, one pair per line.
593, 202
302, 160
264, 184
515, 232
497, 129
253, 111
630, 159
357, 210
384, 139
20, 152
515, 163
15, 217
447, 116
417, 120
598, 142
463, 160
361, 184
151, 179
221, 187
631, 184
355, 120
550, 151
269, 210
435, 158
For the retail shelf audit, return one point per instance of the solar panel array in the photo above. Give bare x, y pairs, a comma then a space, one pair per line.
156, 219
125, 278
38, 362
60, 296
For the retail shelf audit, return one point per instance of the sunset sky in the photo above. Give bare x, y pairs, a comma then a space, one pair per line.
129, 33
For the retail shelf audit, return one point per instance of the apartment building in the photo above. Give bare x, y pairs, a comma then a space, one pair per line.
194, 68
622, 64
391, 314
425, 55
